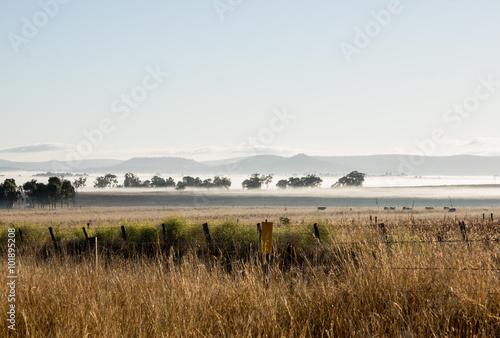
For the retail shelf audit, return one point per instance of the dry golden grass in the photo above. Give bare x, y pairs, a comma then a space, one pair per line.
250, 215
367, 289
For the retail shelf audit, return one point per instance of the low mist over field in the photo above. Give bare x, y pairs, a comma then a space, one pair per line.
380, 184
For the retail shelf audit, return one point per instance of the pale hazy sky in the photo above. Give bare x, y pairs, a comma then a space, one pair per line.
358, 77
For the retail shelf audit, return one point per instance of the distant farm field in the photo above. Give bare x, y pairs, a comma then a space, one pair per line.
463, 196
342, 271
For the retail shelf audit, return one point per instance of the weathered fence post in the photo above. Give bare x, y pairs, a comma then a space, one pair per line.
207, 236
383, 230
259, 232
53, 237
85, 233
376, 220
94, 242
21, 235
316, 232
124, 234
483, 216
91, 244
463, 230
492, 216
317, 257
164, 230
266, 246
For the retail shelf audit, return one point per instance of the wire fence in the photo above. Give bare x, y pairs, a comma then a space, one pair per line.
124, 243
202, 243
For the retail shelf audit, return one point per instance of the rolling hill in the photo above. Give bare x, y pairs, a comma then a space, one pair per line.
462, 165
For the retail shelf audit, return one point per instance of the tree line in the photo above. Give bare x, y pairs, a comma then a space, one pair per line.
309, 181
255, 181
61, 191
133, 181
55, 192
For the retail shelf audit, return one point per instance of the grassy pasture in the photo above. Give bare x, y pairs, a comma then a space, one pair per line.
356, 283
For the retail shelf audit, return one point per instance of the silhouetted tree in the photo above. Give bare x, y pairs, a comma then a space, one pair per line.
353, 179
132, 181
106, 181
160, 182
80, 182
29, 189
216, 182
282, 184
309, 181
222, 182
157, 181
207, 183
180, 185
9, 193
188, 181
255, 181
68, 192
54, 191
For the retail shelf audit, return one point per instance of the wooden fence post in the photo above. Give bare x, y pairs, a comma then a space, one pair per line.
207, 235
463, 230
164, 230
376, 220
316, 232
492, 216
267, 228
21, 235
383, 230
124, 234
259, 232
91, 244
53, 237
483, 216
85, 233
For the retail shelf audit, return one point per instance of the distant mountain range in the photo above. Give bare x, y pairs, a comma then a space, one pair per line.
300, 164
56, 165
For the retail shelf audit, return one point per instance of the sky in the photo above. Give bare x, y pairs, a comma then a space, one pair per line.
214, 79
